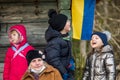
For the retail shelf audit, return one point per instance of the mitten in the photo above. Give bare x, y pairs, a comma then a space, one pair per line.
71, 65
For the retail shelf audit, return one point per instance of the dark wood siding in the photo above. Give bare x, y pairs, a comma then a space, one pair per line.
24, 12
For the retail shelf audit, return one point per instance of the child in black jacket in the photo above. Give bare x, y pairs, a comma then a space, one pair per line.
58, 49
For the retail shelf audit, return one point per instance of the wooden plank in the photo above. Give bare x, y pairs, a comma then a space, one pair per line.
35, 34
64, 4
3, 52
67, 13
22, 1
20, 13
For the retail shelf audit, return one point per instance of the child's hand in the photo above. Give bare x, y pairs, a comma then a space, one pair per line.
71, 65
65, 76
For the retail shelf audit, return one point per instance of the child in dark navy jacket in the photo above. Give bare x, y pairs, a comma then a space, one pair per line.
58, 49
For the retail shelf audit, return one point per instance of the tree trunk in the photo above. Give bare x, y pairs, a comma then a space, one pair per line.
83, 48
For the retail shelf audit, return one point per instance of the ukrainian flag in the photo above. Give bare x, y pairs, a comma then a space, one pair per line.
82, 18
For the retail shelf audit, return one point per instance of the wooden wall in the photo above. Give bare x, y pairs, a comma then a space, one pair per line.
31, 13
24, 12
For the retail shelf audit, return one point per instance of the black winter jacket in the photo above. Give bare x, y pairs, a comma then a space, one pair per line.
58, 50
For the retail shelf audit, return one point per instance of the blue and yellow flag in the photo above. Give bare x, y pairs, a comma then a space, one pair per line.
82, 18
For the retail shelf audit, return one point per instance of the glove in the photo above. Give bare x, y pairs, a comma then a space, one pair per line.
65, 76
71, 65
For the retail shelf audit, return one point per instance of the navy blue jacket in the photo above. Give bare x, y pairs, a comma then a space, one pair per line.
58, 50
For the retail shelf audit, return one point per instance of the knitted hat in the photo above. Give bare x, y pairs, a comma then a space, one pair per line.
103, 37
57, 21
32, 54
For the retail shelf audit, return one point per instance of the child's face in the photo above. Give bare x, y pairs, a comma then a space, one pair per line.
36, 63
96, 42
67, 27
14, 37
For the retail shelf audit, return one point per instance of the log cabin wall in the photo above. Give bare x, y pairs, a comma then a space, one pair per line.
31, 13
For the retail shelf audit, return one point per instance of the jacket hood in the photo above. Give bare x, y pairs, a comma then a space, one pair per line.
107, 48
51, 33
22, 31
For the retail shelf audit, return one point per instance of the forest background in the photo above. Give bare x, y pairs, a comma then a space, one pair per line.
107, 18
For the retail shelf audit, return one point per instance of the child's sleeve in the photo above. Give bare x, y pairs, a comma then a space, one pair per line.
6, 66
110, 66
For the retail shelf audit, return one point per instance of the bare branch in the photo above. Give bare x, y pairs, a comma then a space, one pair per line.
111, 19
114, 6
